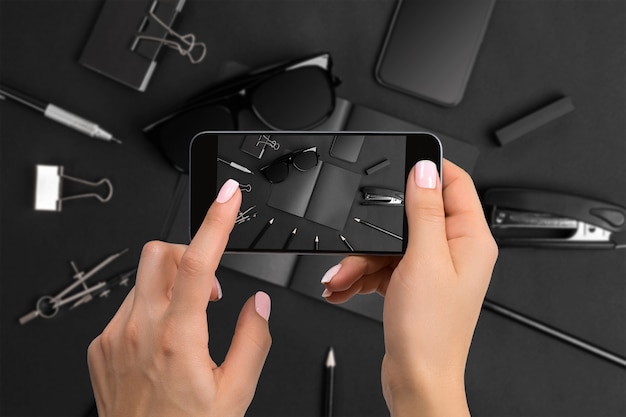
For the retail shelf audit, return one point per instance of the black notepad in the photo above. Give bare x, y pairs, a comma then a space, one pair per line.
323, 195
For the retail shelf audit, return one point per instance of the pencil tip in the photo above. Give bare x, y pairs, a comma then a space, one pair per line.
330, 358
116, 140
356, 219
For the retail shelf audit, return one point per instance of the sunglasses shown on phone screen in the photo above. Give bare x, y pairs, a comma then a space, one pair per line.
297, 95
310, 192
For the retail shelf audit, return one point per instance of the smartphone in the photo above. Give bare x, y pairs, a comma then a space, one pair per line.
431, 47
299, 198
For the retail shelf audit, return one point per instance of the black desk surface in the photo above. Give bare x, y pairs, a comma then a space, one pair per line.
533, 53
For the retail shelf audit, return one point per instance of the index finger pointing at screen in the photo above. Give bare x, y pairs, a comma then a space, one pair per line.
194, 281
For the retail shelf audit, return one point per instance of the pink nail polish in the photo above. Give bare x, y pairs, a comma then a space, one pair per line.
219, 289
426, 174
227, 191
263, 304
327, 293
328, 276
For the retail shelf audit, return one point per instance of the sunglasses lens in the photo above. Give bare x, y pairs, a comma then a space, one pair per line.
305, 160
296, 99
277, 172
173, 136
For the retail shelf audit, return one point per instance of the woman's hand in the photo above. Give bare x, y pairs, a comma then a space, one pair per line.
433, 294
153, 359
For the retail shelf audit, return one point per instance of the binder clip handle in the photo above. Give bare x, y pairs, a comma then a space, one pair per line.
90, 184
187, 43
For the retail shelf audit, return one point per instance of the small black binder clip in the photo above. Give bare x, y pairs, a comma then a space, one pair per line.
533, 218
49, 186
128, 36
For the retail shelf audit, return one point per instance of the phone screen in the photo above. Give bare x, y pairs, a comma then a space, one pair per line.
310, 192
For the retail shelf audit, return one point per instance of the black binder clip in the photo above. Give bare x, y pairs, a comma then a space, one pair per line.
128, 36
533, 218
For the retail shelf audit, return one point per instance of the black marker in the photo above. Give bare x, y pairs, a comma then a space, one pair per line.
317, 242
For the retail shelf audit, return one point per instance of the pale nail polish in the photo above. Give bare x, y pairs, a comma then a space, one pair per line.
328, 276
426, 174
227, 191
219, 289
263, 304
327, 293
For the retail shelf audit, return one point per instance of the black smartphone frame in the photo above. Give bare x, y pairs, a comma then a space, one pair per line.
464, 56
204, 183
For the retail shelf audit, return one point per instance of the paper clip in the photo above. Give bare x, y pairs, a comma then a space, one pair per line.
188, 40
245, 187
244, 216
267, 140
49, 186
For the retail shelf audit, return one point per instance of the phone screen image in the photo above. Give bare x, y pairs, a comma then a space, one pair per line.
310, 192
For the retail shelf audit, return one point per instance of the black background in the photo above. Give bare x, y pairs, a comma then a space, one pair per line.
533, 53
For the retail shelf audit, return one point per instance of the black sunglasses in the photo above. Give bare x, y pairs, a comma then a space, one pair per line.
302, 160
297, 95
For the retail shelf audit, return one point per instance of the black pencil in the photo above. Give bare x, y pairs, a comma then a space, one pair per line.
380, 229
290, 238
344, 240
330, 382
262, 232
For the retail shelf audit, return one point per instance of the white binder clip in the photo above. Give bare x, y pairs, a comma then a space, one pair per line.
48, 191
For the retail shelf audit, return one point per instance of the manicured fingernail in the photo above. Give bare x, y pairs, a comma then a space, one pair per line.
219, 289
426, 174
227, 191
263, 304
327, 293
328, 276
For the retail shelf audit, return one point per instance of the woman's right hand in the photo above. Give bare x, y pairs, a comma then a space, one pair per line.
433, 294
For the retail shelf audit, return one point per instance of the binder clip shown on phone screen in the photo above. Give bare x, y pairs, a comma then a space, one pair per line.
127, 38
49, 188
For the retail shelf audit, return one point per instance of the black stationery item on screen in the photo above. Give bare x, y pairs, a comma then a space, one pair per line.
262, 232
347, 147
297, 95
535, 120
127, 37
431, 47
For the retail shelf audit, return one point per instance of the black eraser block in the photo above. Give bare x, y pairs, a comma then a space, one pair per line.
377, 167
535, 120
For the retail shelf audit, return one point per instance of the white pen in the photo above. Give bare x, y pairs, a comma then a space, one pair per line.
236, 166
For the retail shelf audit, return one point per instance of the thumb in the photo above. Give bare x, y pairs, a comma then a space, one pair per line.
425, 211
249, 348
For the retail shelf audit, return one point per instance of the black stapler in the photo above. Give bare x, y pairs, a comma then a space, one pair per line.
534, 218
373, 196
